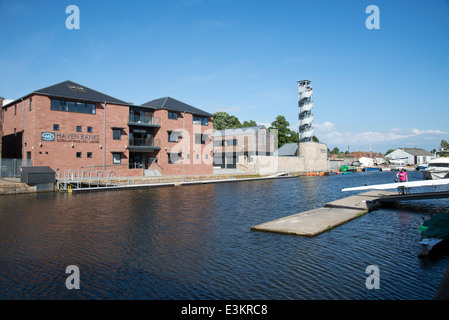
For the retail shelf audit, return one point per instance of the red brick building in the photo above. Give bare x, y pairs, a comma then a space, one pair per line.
68, 126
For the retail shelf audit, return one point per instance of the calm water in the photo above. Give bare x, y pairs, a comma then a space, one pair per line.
195, 242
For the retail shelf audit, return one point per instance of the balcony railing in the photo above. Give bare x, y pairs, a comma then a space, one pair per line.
144, 120
145, 143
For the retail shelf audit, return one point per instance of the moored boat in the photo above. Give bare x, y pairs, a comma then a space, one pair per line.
434, 233
438, 169
422, 167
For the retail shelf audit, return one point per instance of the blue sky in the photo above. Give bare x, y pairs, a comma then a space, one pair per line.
382, 88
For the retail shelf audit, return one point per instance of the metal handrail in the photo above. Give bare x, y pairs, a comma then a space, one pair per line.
144, 119
144, 142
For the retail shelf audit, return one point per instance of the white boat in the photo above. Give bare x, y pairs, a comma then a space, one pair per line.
438, 169
399, 185
396, 164
428, 244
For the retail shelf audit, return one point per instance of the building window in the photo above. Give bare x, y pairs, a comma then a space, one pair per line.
172, 136
200, 138
90, 108
56, 127
231, 142
116, 134
173, 115
72, 106
200, 120
78, 154
172, 158
15, 109
89, 129
89, 155
116, 158
30, 104
79, 128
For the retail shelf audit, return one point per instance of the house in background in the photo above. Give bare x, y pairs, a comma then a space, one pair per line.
411, 155
236, 146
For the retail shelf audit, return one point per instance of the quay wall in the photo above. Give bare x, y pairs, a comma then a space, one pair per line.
312, 158
7, 187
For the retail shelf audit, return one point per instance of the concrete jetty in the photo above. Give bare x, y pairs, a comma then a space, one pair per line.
313, 222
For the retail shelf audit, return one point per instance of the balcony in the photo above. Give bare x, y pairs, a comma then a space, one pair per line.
146, 121
144, 144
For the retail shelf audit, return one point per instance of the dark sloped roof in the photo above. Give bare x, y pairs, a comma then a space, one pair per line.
171, 104
287, 150
71, 90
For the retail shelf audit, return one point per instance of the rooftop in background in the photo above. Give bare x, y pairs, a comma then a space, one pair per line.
360, 154
416, 151
287, 150
175, 105
71, 90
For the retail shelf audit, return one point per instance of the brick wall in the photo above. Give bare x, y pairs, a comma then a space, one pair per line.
62, 153
194, 159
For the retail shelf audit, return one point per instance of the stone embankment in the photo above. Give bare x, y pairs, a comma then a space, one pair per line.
13, 187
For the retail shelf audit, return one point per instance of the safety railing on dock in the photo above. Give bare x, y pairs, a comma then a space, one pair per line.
85, 178
70, 180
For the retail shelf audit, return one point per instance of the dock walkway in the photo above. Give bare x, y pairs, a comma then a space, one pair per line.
313, 222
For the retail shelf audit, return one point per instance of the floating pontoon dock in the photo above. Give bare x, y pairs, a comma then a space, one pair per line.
335, 213
313, 222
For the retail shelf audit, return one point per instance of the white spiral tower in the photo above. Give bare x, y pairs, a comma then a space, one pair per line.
305, 103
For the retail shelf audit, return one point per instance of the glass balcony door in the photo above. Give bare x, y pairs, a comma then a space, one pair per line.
141, 137
142, 117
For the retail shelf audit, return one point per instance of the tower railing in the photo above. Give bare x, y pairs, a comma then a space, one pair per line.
305, 104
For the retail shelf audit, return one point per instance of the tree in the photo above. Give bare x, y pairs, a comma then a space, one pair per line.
223, 120
250, 123
285, 135
444, 149
444, 145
